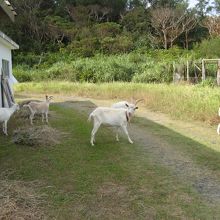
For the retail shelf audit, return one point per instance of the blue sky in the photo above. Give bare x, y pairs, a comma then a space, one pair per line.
192, 3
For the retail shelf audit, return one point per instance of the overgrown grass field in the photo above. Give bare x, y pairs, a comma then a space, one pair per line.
186, 102
109, 181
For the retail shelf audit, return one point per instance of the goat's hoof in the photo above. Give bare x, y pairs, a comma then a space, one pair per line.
131, 142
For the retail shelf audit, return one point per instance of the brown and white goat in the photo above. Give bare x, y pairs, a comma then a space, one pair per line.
40, 108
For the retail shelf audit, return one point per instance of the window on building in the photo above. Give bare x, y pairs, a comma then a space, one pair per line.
5, 68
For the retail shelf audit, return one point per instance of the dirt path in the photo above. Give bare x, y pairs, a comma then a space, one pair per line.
181, 165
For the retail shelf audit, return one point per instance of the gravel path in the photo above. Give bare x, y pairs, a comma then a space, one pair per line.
200, 178
161, 152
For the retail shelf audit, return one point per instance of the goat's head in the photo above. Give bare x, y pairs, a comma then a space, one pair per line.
131, 109
133, 103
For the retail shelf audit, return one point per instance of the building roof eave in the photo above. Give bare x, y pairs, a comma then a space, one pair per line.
8, 41
8, 9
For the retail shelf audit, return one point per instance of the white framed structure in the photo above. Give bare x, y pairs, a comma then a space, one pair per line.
6, 46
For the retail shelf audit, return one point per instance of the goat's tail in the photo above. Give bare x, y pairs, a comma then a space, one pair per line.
90, 117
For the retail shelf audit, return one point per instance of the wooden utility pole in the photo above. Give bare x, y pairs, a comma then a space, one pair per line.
174, 77
203, 69
218, 73
187, 71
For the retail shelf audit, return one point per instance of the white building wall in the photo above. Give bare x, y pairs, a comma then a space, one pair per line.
5, 53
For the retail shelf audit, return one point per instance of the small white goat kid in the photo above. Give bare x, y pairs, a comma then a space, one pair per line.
125, 104
218, 129
39, 107
5, 115
111, 116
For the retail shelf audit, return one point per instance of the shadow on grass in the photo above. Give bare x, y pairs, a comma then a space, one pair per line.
191, 161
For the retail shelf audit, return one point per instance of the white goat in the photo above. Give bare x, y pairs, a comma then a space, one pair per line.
5, 115
125, 104
111, 116
218, 129
39, 107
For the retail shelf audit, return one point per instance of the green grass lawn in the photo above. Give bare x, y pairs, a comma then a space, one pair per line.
109, 181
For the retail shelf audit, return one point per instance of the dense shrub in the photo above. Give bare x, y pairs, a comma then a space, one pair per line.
27, 59
85, 48
107, 29
208, 48
136, 20
119, 44
138, 66
23, 74
152, 73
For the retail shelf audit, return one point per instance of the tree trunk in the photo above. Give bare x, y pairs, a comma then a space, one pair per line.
187, 40
165, 40
171, 44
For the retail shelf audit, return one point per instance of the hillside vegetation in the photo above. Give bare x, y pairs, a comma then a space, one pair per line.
149, 66
117, 40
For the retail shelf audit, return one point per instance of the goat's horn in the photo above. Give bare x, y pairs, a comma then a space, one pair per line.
138, 100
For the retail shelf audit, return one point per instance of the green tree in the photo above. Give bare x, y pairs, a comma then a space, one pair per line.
203, 8
217, 6
166, 3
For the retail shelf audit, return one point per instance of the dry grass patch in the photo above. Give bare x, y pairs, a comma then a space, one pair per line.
117, 201
19, 200
37, 136
113, 200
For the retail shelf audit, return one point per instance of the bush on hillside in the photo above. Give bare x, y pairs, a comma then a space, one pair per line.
208, 48
85, 48
107, 29
159, 73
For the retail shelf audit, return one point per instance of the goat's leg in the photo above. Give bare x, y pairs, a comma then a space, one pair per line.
124, 127
94, 130
3, 127
6, 127
117, 130
218, 129
31, 118
46, 114
42, 117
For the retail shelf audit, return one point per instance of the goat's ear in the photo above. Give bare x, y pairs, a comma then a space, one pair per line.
126, 105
